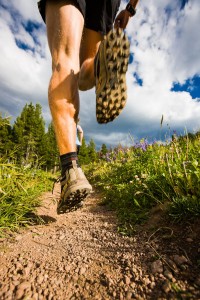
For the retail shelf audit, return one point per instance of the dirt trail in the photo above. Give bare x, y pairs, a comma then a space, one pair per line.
81, 255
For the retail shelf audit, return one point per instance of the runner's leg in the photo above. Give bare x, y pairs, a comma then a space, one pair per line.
99, 19
64, 30
89, 48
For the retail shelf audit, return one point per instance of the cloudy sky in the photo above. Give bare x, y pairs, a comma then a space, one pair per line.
163, 76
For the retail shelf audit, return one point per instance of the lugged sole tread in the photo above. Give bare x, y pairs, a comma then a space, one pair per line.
111, 93
73, 200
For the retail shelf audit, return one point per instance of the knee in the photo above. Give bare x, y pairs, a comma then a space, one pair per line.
64, 80
64, 59
64, 65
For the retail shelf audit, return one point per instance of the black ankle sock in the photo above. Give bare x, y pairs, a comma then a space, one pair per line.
66, 161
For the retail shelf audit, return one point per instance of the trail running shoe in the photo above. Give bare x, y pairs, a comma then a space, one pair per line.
111, 64
74, 189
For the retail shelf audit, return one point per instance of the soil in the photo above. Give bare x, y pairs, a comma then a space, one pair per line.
82, 255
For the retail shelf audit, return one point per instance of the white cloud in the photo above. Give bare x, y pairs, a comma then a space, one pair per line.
27, 9
165, 43
162, 55
24, 74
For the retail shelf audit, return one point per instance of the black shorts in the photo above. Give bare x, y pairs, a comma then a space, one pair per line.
99, 15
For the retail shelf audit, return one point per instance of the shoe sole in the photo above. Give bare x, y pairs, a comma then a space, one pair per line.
112, 60
72, 199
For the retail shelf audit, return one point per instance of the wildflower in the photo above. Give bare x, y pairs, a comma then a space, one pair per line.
144, 176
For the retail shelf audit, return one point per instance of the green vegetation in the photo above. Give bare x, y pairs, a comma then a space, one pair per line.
28, 157
135, 179
19, 194
35, 148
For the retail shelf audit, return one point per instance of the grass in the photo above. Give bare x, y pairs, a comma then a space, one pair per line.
20, 189
134, 180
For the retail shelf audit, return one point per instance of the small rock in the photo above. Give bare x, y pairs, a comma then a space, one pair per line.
129, 295
26, 271
110, 281
157, 267
4, 289
35, 296
46, 292
18, 266
168, 274
127, 280
121, 297
133, 284
82, 271
24, 285
180, 260
16, 282
189, 240
19, 294
12, 287
146, 281
172, 265
68, 268
46, 277
197, 282
166, 287
152, 285
40, 279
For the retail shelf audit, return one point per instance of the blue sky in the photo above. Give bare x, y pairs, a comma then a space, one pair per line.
191, 85
163, 76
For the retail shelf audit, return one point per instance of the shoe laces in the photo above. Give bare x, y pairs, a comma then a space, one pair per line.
58, 180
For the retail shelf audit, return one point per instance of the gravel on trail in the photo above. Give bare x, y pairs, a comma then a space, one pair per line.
82, 255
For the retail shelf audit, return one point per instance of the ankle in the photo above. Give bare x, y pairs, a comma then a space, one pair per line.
68, 161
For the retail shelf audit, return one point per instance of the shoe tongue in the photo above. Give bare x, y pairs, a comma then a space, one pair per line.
74, 164
70, 165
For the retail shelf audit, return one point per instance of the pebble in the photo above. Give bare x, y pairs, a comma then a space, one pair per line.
18, 238
166, 287
157, 267
197, 281
35, 296
180, 260
40, 279
109, 267
26, 271
19, 293
128, 295
168, 274
146, 281
127, 280
82, 271
189, 240
61, 237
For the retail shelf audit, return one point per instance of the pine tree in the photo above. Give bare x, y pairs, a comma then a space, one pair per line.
92, 151
83, 153
6, 144
104, 149
29, 132
51, 153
